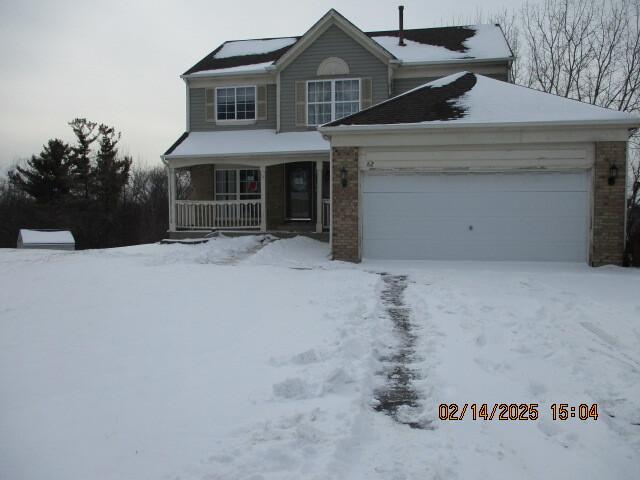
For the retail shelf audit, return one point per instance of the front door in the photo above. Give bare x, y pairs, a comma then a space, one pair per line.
299, 178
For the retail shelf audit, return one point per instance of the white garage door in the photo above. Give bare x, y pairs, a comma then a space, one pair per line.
530, 216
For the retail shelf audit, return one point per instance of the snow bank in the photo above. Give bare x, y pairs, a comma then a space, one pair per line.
302, 252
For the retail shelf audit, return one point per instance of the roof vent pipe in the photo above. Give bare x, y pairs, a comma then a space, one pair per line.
401, 29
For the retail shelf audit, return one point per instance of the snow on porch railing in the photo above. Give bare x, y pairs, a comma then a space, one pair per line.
218, 214
326, 212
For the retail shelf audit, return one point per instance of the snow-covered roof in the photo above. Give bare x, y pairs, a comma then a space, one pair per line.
423, 45
479, 42
247, 142
250, 68
467, 98
236, 48
46, 237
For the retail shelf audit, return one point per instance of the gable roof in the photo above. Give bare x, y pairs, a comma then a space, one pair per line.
423, 45
469, 99
333, 17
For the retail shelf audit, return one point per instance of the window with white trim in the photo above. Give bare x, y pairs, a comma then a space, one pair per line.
329, 100
237, 184
235, 103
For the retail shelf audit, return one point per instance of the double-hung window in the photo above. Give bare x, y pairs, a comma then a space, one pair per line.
237, 184
235, 103
329, 100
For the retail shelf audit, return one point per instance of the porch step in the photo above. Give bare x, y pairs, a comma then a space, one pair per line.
183, 241
200, 236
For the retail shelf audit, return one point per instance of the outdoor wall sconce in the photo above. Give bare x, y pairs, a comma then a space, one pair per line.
613, 174
343, 177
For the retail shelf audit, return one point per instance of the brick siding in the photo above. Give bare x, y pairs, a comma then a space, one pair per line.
607, 245
345, 244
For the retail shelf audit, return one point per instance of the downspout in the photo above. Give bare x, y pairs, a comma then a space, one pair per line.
278, 102
326, 137
188, 108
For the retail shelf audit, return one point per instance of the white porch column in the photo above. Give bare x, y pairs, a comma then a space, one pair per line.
263, 198
171, 174
319, 196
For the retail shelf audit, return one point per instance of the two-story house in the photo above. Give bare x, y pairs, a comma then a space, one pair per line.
377, 139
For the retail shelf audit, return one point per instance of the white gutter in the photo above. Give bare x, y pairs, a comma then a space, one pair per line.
456, 61
418, 127
247, 154
238, 73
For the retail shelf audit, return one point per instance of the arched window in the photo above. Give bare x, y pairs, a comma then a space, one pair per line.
333, 66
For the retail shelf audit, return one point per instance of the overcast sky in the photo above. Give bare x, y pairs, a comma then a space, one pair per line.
118, 62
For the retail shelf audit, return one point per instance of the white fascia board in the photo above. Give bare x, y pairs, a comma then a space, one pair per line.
214, 74
412, 127
247, 154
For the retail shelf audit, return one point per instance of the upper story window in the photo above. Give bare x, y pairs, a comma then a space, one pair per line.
329, 100
235, 103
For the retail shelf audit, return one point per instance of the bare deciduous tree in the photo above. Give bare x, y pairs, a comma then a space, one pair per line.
588, 50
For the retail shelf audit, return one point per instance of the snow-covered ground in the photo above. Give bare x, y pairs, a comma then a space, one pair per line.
238, 359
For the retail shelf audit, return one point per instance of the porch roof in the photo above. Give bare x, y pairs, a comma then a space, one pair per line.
246, 142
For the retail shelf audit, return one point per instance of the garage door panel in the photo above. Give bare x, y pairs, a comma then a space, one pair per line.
499, 228
535, 218
477, 204
481, 182
411, 249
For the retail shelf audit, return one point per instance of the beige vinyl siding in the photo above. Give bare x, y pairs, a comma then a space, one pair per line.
401, 85
332, 43
199, 122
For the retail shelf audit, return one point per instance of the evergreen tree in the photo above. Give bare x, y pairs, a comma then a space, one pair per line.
81, 168
111, 173
46, 177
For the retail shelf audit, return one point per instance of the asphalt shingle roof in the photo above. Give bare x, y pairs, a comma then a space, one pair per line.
450, 38
423, 104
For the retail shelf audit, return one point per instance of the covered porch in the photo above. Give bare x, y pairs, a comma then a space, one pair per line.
255, 180
257, 195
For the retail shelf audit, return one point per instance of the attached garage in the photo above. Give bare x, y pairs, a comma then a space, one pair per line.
471, 168
507, 216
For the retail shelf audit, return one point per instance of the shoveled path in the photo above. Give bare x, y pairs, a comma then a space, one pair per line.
399, 397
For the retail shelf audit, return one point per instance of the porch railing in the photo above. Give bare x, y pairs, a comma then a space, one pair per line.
200, 214
326, 213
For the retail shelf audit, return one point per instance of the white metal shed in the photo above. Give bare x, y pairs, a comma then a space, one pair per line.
48, 239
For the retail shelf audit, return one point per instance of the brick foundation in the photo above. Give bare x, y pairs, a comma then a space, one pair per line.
607, 244
345, 244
